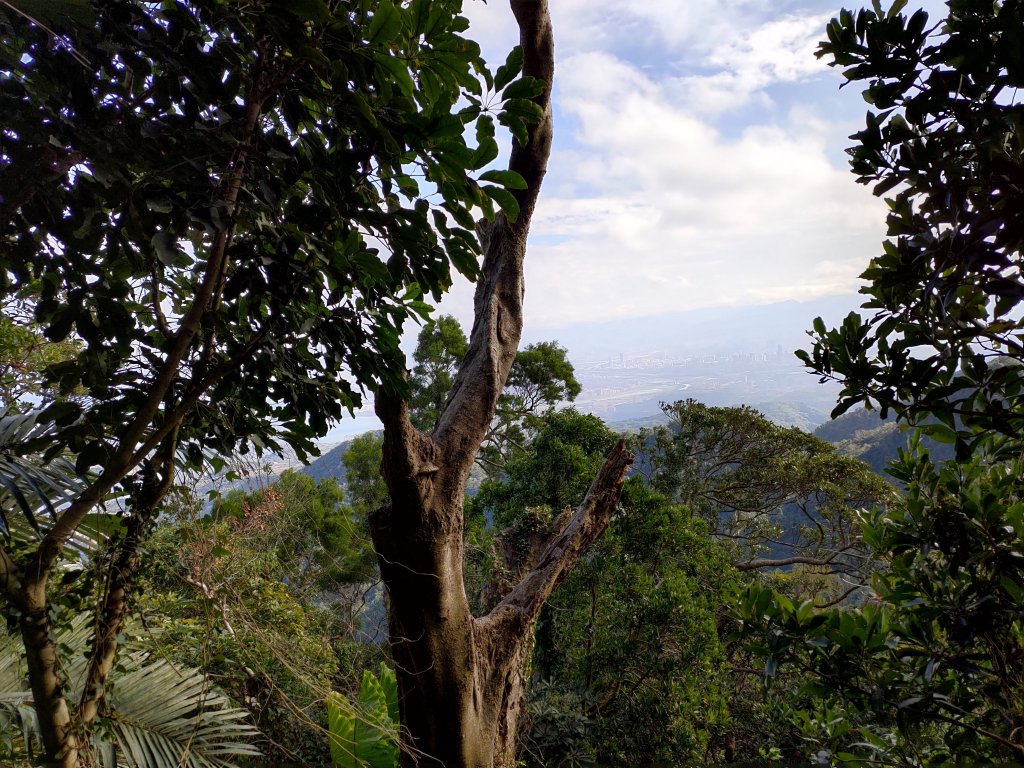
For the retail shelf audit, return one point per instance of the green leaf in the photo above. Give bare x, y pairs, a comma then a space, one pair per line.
508, 179
528, 110
399, 71
166, 246
896, 7
524, 88
385, 24
505, 200
508, 71
485, 154
309, 10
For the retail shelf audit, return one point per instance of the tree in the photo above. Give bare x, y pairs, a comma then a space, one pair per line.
24, 354
220, 203
320, 541
440, 347
626, 658
946, 137
251, 592
460, 677
540, 379
777, 496
364, 486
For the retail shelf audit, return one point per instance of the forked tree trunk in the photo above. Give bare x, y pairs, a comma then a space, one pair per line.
460, 677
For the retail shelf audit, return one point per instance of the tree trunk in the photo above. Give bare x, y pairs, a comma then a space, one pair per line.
460, 678
59, 742
121, 572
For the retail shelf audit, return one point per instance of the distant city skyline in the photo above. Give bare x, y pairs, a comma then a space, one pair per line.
671, 346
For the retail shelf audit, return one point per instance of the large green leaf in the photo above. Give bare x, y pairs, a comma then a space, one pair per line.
365, 734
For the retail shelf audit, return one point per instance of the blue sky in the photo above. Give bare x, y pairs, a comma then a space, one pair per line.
698, 160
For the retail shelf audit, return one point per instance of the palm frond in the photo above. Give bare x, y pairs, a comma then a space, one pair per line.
33, 488
162, 716
167, 716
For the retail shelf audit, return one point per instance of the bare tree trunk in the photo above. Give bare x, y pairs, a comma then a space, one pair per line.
460, 678
58, 737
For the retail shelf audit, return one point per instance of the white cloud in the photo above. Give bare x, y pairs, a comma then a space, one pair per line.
658, 199
780, 51
679, 216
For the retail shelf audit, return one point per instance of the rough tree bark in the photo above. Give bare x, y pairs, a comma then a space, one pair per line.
460, 677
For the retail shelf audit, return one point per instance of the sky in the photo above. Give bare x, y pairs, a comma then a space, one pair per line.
698, 160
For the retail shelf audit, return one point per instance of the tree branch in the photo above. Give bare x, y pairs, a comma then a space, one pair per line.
752, 565
588, 522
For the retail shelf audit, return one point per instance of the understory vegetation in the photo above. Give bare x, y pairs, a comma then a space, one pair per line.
217, 220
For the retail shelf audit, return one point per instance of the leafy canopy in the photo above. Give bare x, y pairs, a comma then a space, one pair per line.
236, 201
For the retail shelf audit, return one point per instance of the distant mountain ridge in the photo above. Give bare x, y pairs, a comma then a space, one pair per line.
329, 464
865, 435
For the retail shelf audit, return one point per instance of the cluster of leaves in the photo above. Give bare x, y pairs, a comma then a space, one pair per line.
635, 628
440, 347
554, 472
945, 136
24, 352
250, 593
541, 379
365, 490
321, 542
364, 733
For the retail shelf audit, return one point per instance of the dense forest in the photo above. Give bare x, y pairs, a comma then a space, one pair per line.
218, 219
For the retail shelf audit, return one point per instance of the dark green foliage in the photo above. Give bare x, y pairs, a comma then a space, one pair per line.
321, 541
630, 642
931, 671
440, 348
945, 136
555, 472
147, 145
541, 378
627, 656
937, 659
264, 595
